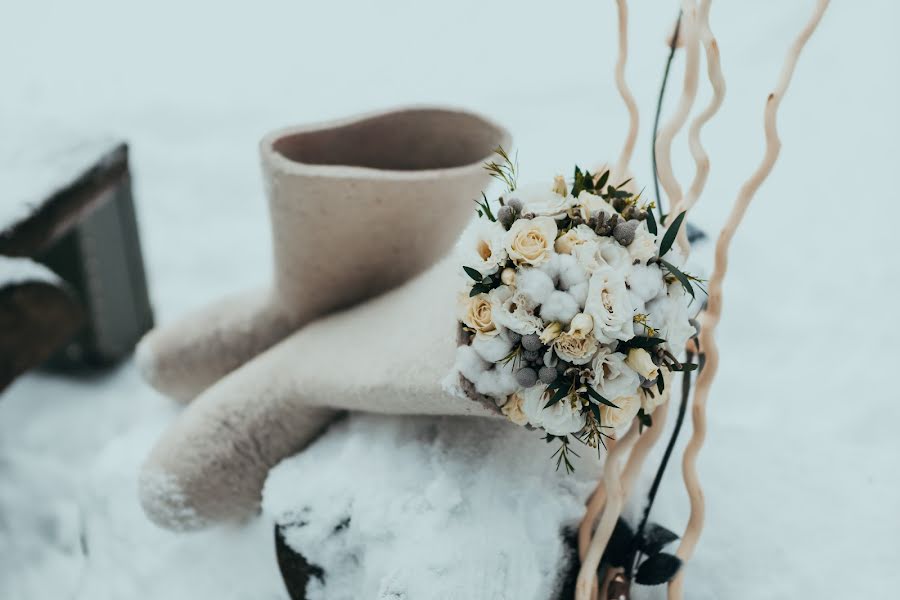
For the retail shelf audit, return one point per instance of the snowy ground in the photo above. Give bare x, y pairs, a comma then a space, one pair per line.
800, 463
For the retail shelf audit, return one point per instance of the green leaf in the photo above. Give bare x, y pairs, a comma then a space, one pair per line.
643, 342
651, 222
681, 277
660, 383
603, 179
658, 569
473, 273
559, 395
624, 183
655, 539
593, 394
671, 232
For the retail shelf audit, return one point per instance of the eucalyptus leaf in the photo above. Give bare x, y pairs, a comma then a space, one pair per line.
473, 273
559, 395
603, 179
651, 222
671, 232
681, 277
655, 539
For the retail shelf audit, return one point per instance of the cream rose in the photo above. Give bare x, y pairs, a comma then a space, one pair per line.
640, 360
542, 200
620, 418
530, 241
576, 349
650, 403
613, 377
609, 305
566, 243
477, 314
512, 410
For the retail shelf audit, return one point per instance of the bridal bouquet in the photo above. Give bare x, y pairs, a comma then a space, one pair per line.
575, 308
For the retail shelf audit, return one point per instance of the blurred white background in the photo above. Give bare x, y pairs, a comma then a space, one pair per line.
800, 463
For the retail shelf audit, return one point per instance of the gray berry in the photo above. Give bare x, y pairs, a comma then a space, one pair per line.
531, 355
514, 337
561, 367
624, 232
547, 374
507, 216
526, 377
531, 342
515, 204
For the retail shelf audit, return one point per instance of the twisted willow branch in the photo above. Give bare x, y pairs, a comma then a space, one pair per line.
663, 146
627, 97
713, 313
717, 81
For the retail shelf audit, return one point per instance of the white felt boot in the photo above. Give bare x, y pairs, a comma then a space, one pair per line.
357, 207
388, 355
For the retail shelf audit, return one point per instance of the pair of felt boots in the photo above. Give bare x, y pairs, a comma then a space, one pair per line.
360, 314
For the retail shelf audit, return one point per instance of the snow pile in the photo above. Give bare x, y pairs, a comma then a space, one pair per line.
434, 508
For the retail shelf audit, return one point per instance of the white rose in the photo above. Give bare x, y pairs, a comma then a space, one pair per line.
543, 201
590, 204
513, 410
576, 349
559, 419
672, 315
513, 310
613, 377
610, 307
643, 248
620, 418
602, 253
640, 360
530, 241
484, 247
576, 236
477, 314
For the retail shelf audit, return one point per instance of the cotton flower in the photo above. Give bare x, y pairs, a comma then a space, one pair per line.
609, 306
646, 282
544, 201
492, 348
620, 418
640, 360
559, 306
577, 349
559, 419
514, 311
643, 248
469, 364
477, 314
534, 284
530, 241
498, 382
613, 377
513, 410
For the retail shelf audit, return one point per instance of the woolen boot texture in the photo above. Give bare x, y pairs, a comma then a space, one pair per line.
357, 207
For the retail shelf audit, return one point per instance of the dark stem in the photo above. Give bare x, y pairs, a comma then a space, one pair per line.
659, 103
657, 479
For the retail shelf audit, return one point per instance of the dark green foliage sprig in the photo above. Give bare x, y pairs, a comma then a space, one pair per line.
562, 453
483, 284
625, 546
484, 208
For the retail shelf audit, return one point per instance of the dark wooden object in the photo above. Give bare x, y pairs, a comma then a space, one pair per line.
85, 230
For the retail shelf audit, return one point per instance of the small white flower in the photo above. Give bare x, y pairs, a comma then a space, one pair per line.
530, 241
620, 418
640, 360
644, 246
582, 324
610, 307
551, 332
559, 419
543, 200
612, 377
